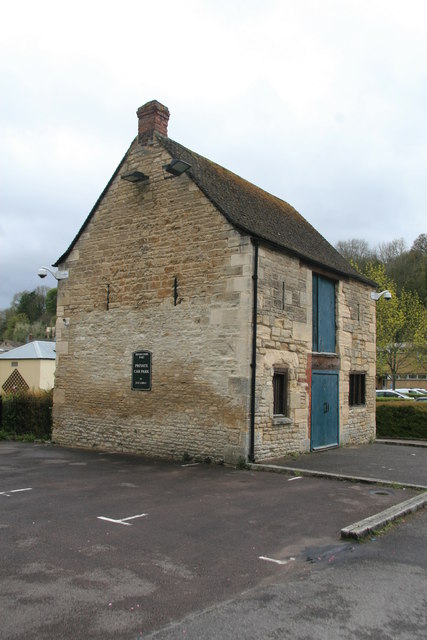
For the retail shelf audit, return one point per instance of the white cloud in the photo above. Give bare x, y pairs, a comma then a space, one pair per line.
321, 103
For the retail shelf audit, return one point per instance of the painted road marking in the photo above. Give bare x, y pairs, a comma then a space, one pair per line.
123, 521
276, 561
191, 464
7, 493
295, 478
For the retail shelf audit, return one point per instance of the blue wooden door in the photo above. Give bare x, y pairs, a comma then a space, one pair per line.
324, 409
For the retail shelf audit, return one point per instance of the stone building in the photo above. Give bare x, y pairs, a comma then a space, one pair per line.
204, 316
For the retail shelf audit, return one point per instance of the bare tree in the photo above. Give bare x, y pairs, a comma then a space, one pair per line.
356, 251
388, 251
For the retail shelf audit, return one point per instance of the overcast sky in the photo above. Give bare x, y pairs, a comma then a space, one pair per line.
321, 102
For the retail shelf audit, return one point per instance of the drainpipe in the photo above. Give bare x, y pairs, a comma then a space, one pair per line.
253, 362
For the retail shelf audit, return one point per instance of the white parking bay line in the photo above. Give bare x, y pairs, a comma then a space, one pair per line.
276, 561
7, 493
123, 521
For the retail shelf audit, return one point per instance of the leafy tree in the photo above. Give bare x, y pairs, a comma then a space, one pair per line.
23, 330
401, 326
17, 318
29, 313
51, 297
3, 322
33, 303
420, 244
408, 269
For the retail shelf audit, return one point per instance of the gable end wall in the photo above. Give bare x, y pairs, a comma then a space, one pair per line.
141, 238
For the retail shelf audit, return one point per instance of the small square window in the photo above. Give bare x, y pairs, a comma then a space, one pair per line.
357, 389
280, 393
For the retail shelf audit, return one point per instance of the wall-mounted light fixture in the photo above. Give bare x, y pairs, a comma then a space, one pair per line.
58, 275
384, 294
135, 176
177, 167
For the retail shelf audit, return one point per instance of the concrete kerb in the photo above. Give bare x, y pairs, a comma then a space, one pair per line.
379, 520
334, 476
364, 527
402, 443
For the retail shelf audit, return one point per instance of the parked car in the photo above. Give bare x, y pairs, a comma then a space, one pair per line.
389, 393
421, 399
413, 393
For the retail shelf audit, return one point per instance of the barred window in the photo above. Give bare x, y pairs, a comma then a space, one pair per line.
280, 393
357, 389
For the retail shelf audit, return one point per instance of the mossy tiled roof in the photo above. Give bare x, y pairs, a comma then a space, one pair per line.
260, 214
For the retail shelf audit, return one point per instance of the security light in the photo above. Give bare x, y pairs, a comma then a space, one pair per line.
384, 294
135, 176
58, 275
177, 167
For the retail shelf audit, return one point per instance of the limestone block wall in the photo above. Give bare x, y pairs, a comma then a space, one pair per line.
356, 330
156, 268
283, 339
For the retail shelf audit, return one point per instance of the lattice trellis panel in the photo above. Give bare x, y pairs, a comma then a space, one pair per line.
14, 383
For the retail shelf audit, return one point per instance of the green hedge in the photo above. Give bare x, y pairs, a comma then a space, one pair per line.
27, 413
407, 420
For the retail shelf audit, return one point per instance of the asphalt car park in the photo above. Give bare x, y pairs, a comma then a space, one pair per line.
97, 545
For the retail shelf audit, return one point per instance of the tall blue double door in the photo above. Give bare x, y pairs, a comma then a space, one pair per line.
324, 409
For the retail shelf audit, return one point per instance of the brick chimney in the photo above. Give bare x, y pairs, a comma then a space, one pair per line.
152, 117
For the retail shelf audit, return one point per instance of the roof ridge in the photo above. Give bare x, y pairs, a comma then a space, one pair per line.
260, 213
248, 208
229, 171
37, 348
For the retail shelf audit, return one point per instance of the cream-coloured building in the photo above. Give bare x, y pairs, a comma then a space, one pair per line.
204, 316
28, 368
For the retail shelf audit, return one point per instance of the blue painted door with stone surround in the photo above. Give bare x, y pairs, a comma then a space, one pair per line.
324, 409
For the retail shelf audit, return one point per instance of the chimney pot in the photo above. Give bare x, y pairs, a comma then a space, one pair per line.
152, 117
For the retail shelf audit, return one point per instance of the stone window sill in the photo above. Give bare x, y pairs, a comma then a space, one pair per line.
277, 420
329, 354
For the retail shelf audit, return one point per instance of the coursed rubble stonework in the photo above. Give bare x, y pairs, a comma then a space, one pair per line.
284, 335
